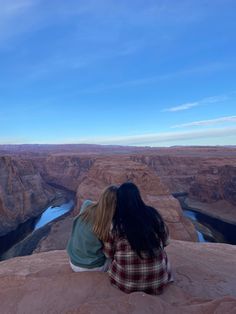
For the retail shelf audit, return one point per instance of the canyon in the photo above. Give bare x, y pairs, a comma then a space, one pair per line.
32, 177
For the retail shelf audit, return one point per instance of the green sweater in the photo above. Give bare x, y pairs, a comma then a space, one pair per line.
84, 248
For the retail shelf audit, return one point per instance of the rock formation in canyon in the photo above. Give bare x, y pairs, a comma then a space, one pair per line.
23, 192
206, 174
116, 170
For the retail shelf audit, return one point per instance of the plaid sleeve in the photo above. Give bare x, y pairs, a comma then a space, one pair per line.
109, 247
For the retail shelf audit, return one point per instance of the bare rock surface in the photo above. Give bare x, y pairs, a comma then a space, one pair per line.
23, 193
205, 282
58, 236
117, 170
222, 209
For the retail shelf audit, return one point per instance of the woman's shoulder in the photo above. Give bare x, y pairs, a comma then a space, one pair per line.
83, 207
85, 204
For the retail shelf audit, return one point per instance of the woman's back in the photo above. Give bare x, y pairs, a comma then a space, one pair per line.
136, 244
142, 225
84, 248
131, 273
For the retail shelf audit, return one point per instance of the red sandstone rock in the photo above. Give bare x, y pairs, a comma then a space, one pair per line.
24, 189
116, 170
106, 171
58, 237
23, 193
64, 170
44, 283
208, 174
222, 209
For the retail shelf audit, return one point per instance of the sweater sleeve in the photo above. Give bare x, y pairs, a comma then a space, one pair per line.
85, 204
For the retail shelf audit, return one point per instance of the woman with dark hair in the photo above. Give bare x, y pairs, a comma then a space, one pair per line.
136, 245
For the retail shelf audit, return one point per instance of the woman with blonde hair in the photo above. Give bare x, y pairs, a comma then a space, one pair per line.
90, 228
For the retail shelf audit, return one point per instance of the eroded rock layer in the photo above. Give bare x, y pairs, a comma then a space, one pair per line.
207, 175
120, 169
29, 176
23, 193
116, 170
204, 178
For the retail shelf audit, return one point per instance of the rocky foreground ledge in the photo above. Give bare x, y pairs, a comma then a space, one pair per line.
205, 282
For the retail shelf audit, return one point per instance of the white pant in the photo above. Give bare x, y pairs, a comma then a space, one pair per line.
102, 268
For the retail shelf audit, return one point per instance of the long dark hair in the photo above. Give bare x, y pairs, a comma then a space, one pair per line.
142, 225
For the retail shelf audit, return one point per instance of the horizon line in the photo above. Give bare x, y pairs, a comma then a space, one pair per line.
117, 145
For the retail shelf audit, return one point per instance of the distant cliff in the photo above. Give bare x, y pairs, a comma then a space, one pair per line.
209, 181
207, 178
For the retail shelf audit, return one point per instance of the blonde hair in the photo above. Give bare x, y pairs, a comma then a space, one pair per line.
101, 213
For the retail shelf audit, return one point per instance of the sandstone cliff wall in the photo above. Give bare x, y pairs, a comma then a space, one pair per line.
63, 170
24, 189
23, 192
120, 169
206, 179
26, 185
116, 170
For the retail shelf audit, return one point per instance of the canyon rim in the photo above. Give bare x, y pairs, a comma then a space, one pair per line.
35, 176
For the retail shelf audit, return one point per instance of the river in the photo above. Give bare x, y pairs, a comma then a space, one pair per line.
53, 212
33, 225
209, 229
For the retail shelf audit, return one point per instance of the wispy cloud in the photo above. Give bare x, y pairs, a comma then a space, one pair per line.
16, 16
159, 138
14, 7
93, 23
183, 107
204, 101
19, 17
220, 136
206, 122
58, 63
205, 68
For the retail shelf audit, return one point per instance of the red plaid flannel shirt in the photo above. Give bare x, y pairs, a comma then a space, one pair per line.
130, 273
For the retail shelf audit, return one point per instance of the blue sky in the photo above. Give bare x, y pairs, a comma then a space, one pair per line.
141, 72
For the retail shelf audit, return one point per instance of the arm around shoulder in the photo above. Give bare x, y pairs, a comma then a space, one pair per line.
109, 246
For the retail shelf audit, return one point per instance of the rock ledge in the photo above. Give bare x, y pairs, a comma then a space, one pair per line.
205, 282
